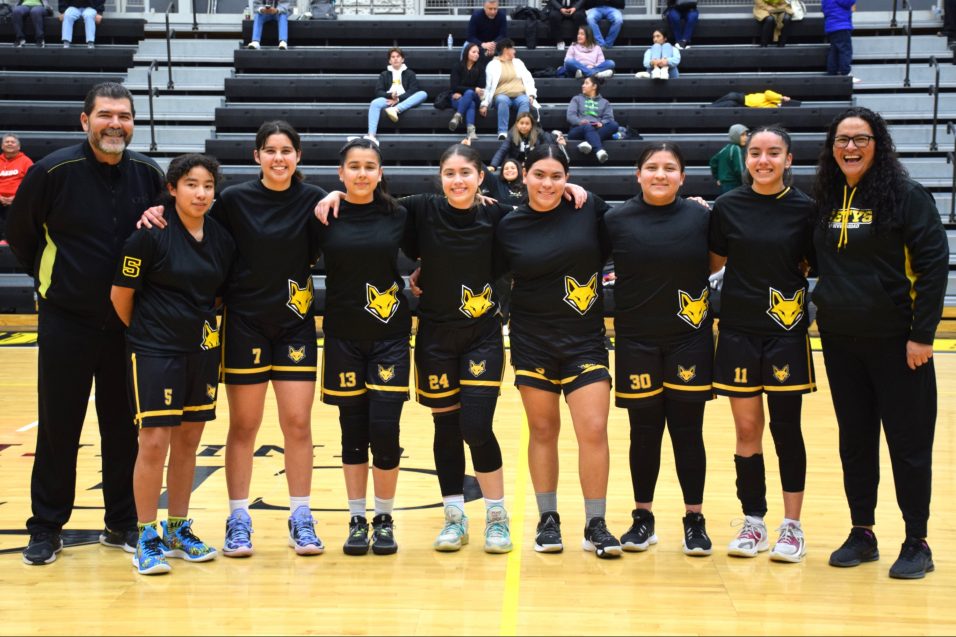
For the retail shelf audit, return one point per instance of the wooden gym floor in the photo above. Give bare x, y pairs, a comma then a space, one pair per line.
94, 590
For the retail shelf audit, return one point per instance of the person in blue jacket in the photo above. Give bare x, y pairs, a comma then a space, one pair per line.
838, 25
662, 58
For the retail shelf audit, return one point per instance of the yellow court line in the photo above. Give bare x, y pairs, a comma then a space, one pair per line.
509, 608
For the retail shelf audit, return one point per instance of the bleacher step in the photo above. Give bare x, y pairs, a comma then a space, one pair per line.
185, 78
173, 139
187, 51
183, 108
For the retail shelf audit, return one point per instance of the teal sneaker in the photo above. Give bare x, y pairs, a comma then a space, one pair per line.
181, 542
497, 531
454, 534
149, 558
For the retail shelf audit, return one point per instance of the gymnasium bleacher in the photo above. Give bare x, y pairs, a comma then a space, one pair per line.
322, 85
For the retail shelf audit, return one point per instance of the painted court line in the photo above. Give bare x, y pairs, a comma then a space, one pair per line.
33, 424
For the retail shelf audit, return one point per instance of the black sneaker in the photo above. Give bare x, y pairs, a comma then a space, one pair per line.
125, 540
42, 548
641, 534
383, 535
915, 560
859, 547
41, 44
548, 537
357, 542
599, 540
696, 541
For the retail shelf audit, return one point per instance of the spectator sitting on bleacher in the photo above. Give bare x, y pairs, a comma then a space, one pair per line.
682, 19
37, 10
608, 10
591, 118
522, 139
487, 27
268, 11
558, 11
774, 19
727, 164
72, 10
467, 89
766, 99
507, 183
13, 167
508, 83
585, 58
396, 92
661, 59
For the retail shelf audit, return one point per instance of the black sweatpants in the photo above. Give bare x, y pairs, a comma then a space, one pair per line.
556, 23
71, 356
870, 382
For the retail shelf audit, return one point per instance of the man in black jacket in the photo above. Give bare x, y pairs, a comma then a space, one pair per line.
560, 11
72, 215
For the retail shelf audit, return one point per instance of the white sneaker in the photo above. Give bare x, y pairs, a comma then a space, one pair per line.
253, 45
584, 147
856, 80
642, 75
790, 546
751, 539
560, 45
392, 113
283, 45
502, 137
605, 73
578, 74
601, 155
497, 531
371, 138
455, 532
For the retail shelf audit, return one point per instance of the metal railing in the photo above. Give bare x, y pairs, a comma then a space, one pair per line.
170, 85
951, 159
909, 37
152, 120
934, 91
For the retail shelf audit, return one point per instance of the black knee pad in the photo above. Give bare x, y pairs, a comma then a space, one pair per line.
788, 441
383, 433
354, 422
477, 415
751, 484
449, 451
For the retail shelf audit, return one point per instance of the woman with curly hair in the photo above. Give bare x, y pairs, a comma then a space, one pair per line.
883, 261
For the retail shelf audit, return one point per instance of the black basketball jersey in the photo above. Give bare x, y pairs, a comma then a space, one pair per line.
556, 259
276, 235
363, 298
457, 252
662, 266
765, 238
176, 279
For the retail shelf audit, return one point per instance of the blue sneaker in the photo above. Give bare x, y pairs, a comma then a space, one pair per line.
182, 543
149, 558
302, 535
238, 542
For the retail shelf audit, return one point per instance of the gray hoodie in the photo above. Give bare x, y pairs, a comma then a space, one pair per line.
596, 109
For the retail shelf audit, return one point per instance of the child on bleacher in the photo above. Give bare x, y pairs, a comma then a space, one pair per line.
727, 164
268, 11
522, 139
661, 60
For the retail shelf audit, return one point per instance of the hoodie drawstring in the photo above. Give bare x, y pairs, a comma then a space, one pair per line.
844, 217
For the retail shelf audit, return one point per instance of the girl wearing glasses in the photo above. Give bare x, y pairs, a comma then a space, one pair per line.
883, 262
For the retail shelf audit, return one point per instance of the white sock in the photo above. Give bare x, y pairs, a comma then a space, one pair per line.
494, 503
455, 500
357, 507
384, 506
754, 519
236, 505
295, 503
787, 521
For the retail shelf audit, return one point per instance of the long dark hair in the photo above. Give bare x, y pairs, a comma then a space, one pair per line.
280, 127
517, 187
381, 195
657, 147
547, 151
464, 57
883, 186
783, 134
470, 155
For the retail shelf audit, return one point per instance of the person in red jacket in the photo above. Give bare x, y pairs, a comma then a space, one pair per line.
13, 166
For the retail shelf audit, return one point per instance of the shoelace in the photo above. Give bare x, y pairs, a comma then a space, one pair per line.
151, 547
787, 535
304, 531
384, 529
186, 536
600, 532
749, 531
550, 524
452, 528
497, 530
855, 541
910, 550
239, 531
695, 532
359, 530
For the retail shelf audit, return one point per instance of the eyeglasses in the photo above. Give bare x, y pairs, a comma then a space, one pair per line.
860, 141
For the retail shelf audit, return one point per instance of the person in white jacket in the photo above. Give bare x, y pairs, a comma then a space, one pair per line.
508, 83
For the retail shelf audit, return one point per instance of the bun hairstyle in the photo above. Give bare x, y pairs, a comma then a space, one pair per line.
784, 135
380, 196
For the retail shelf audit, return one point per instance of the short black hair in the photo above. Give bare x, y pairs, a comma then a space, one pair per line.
507, 43
110, 90
180, 166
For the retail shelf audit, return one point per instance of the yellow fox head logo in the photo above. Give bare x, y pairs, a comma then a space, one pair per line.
687, 374
210, 336
781, 373
382, 305
300, 298
296, 354
693, 310
475, 305
476, 369
386, 373
210, 391
580, 296
787, 312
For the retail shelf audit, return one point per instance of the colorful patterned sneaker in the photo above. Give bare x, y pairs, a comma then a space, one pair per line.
790, 546
383, 535
641, 534
125, 540
357, 541
860, 546
696, 541
497, 531
238, 542
149, 558
915, 560
599, 540
548, 536
302, 535
751, 539
454, 534
181, 542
